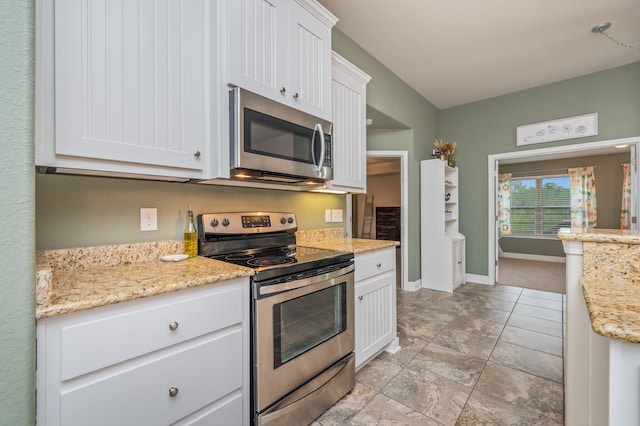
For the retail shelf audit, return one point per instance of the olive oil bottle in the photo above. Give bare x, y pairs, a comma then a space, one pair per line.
190, 236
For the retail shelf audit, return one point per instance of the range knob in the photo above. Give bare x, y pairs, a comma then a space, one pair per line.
283, 220
290, 220
225, 222
214, 222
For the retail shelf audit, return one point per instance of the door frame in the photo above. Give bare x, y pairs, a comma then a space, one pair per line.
403, 156
551, 153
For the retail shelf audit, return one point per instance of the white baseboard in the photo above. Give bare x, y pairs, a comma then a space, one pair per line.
393, 346
413, 285
476, 279
538, 257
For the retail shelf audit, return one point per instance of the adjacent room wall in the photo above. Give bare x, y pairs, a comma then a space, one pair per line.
608, 174
489, 127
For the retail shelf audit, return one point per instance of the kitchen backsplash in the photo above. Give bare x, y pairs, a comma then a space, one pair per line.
76, 211
315, 235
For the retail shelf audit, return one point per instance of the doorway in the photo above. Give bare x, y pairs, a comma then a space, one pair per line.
630, 145
390, 164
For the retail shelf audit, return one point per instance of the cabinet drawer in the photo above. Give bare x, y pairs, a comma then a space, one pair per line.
141, 395
103, 339
374, 262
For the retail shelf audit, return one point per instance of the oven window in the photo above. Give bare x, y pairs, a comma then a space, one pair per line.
305, 322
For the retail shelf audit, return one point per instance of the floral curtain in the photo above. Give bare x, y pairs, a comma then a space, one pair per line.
625, 211
504, 203
584, 213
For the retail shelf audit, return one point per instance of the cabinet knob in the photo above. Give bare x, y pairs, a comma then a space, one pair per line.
379, 265
173, 392
296, 95
360, 297
173, 326
283, 90
196, 154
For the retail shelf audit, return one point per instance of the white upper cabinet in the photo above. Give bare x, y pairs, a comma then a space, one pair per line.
349, 135
131, 87
281, 49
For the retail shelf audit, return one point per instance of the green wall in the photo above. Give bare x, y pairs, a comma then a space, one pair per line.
489, 127
77, 211
390, 96
17, 298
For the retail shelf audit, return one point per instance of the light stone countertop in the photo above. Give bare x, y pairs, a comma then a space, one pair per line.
70, 280
621, 236
77, 279
352, 245
611, 280
614, 308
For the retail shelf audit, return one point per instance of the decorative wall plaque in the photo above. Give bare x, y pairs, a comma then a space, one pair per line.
566, 128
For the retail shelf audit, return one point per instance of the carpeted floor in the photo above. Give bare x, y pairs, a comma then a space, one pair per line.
545, 276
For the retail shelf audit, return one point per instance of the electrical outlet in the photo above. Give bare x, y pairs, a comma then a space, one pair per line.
336, 215
327, 216
148, 219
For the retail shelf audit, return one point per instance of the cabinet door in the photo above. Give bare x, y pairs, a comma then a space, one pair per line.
132, 80
258, 46
374, 316
348, 97
309, 61
458, 263
198, 375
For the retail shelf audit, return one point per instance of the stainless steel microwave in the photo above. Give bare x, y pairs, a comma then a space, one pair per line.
271, 142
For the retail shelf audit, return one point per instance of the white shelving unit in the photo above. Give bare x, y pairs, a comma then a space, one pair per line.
442, 249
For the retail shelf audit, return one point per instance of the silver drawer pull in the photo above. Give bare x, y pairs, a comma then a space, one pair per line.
360, 297
283, 90
197, 154
173, 392
378, 265
173, 326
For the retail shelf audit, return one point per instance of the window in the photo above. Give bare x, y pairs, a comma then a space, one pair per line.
540, 205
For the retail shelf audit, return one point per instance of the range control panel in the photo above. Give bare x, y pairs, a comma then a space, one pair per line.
246, 222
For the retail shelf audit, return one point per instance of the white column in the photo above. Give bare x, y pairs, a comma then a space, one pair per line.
576, 354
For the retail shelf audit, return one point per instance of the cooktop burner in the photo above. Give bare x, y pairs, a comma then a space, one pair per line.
269, 261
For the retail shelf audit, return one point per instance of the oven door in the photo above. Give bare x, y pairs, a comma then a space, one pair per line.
300, 333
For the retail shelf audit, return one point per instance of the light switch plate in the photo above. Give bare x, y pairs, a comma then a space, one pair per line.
336, 215
327, 216
148, 219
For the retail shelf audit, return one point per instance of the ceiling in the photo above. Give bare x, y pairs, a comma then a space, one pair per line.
457, 52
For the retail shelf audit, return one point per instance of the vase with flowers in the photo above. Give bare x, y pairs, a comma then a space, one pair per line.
446, 150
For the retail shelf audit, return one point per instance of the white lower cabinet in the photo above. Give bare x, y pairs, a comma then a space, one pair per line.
180, 357
375, 304
458, 263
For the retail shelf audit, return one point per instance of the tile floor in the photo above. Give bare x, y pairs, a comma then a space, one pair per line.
482, 355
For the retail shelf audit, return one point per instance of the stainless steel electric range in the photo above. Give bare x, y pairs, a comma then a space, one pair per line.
302, 319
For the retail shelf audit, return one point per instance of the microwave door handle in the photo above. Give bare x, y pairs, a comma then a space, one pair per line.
322, 146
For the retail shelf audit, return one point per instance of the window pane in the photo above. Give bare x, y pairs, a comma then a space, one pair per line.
556, 192
523, 220
523, 192
540, 205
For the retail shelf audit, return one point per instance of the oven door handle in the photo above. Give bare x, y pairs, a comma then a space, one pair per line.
304, 282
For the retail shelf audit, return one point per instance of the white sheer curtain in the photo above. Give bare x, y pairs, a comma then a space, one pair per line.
584, 212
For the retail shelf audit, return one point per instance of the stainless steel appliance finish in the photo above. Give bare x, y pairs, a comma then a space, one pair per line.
302, 301
271, 142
